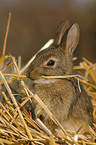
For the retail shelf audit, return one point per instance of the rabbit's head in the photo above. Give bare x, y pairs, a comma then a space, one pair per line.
57, 59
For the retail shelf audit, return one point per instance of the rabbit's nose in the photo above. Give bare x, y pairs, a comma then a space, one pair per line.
29, 70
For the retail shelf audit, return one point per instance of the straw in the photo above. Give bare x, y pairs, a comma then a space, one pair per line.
16, 105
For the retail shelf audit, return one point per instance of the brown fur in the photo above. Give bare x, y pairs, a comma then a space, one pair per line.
71, 107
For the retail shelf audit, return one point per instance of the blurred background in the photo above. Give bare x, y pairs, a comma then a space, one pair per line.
34, 22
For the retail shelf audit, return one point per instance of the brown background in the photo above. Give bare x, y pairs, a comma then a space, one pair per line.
33, 23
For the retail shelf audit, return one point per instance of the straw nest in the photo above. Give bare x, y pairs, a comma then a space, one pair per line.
16, 123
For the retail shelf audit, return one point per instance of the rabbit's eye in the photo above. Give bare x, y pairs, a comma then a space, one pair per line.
51, 63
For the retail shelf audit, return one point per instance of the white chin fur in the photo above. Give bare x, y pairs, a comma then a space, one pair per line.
44, 81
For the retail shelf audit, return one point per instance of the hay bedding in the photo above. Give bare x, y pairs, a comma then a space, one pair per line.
16, 113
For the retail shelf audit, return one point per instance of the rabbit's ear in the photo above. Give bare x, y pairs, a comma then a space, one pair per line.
63, 26
72, 38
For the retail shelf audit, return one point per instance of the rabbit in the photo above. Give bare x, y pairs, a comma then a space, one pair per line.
71, 107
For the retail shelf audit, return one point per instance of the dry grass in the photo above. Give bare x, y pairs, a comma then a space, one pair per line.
16, 124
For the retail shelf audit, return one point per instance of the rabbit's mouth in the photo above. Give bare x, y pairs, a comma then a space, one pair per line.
38, 79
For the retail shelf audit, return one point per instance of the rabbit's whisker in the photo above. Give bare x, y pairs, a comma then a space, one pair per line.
79, 86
